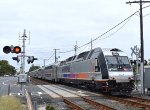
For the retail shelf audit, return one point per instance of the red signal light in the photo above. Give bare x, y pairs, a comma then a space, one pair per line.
17, 49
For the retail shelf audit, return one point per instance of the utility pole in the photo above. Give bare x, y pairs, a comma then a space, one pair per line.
55, 54
142, 43
75, 48
91, 43
45, 61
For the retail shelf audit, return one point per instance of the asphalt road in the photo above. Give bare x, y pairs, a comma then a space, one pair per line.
6, 83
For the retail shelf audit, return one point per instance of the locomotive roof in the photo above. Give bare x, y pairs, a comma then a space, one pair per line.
92, 54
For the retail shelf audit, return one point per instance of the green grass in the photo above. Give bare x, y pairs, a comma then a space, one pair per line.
10, 103
49, 107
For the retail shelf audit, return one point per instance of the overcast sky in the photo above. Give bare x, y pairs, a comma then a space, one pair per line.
60, 23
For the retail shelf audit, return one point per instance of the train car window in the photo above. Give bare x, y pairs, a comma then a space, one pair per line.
62, 62
111, 60
48, 67
95, 53
97, 68
39, 70
69, 59
74, 57
66, 69
123, 60
90, 54
118, 63
83, 55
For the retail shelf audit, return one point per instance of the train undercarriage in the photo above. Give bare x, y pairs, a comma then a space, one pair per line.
106, 86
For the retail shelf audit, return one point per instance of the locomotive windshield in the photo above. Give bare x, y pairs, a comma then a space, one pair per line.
118, 63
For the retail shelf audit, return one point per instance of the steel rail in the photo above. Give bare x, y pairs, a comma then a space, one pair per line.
90, 101
67, 101
132, 103
142, 100
38, 81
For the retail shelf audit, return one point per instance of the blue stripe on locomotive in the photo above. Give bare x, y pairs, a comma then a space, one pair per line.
65, 75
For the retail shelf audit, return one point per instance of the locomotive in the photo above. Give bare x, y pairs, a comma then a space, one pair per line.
106, 70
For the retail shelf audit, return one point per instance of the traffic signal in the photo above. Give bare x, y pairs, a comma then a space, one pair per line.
31, 59
16, 49
16, 58
134, 62
145, 62
12, 49
7, 49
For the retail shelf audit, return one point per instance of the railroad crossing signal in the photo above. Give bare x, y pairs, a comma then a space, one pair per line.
31, 59
17, 49
16, 58
136, 51
135, 62
12, 49
6, 49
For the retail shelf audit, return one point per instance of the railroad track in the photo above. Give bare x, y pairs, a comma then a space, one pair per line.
133, 101
73, 103
130, 101
88, 100
36, 81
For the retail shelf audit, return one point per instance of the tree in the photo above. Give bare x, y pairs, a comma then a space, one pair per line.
6, 68
33, 67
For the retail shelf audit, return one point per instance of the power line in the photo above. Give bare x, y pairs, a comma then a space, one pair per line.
110, 29
126, 19
67, 51
48, 59
84, 48
51, 56
116, 30
103, 33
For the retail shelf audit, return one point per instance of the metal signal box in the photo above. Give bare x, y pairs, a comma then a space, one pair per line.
22, 78
147, 76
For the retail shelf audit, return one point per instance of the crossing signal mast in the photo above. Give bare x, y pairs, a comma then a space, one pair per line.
30, 58
142, 42
17, 49
23, 38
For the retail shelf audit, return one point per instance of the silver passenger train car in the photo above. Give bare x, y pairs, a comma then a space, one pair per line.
106, 70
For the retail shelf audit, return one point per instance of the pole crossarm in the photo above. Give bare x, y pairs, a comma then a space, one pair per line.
137, 2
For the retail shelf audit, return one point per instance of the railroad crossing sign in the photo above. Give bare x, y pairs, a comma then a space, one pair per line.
136, 51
